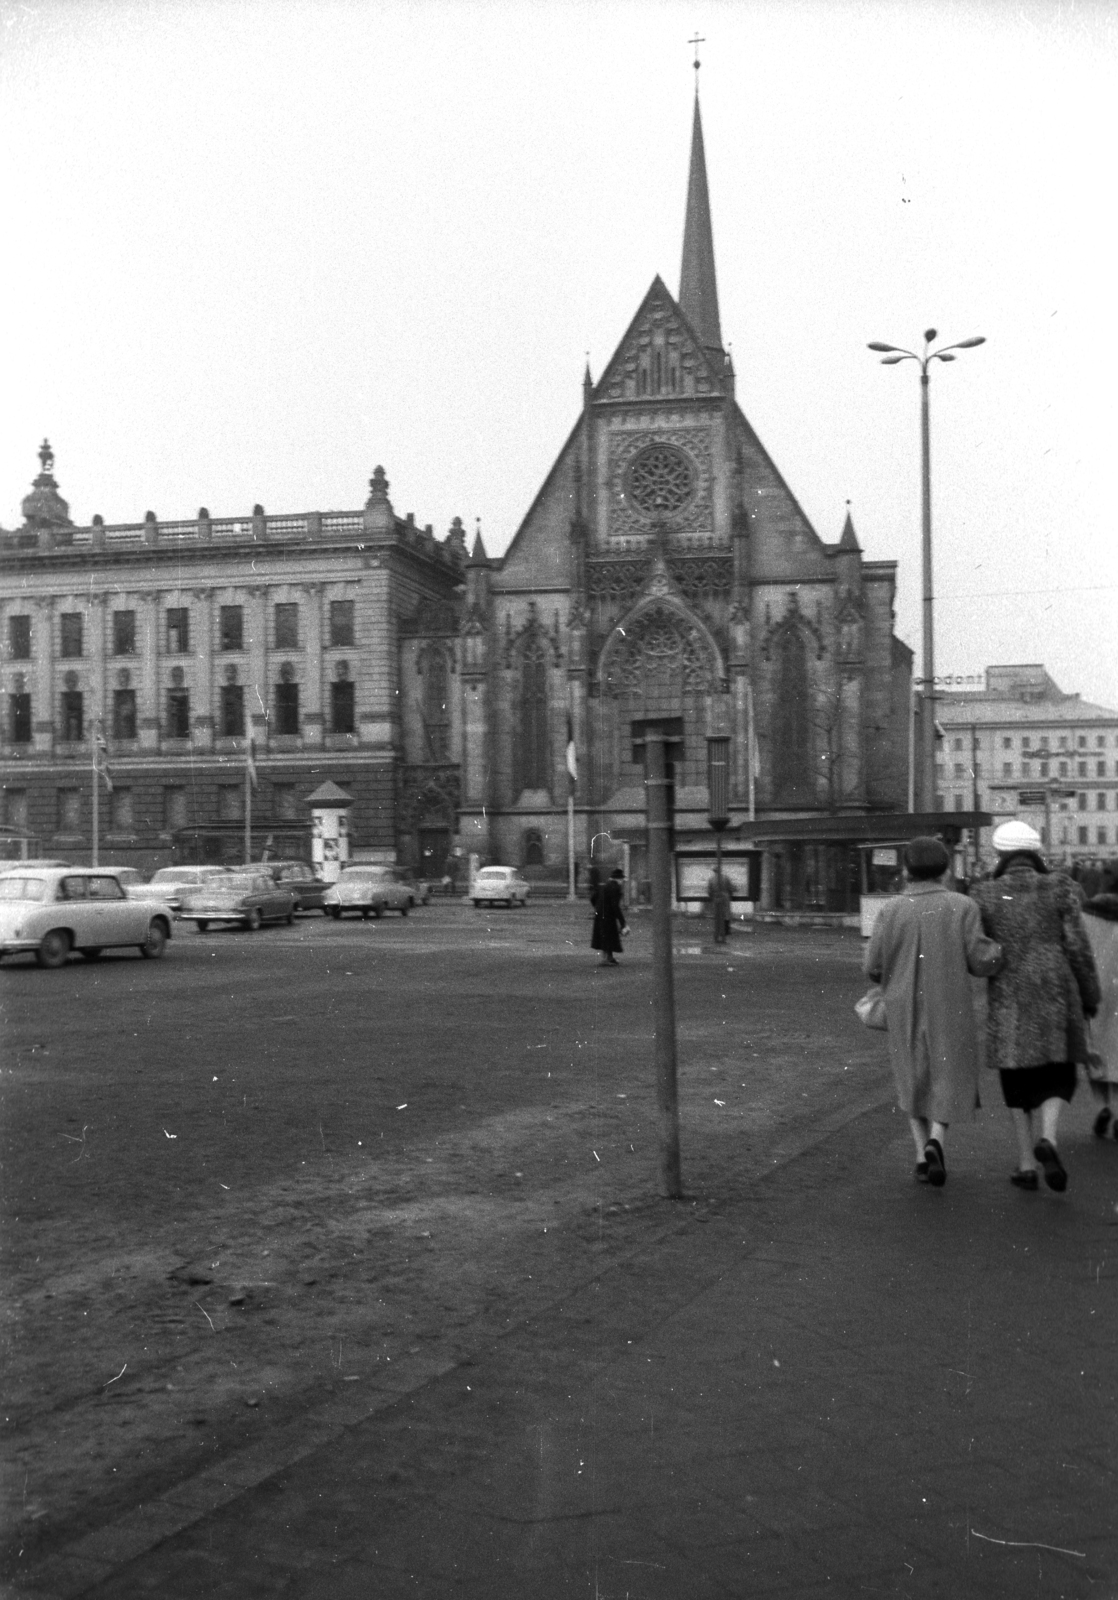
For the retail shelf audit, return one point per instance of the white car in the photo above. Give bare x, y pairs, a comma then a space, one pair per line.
369, 889
499, 885
168, 884
52, 912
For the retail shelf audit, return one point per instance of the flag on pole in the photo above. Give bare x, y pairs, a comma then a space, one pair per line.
250, 761
101, 757
572, 753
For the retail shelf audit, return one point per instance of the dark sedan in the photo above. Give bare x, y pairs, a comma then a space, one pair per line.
297, 876
245, 898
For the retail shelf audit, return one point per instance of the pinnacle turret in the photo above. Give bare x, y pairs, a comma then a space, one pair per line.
698, 287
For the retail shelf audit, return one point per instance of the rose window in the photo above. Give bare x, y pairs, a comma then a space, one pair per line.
661, 480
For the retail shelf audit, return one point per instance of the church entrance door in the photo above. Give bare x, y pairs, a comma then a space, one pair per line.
434, 847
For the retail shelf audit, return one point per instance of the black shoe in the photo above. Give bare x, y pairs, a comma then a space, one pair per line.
1102, 1126
1055, 1175
921, 1173
1025, 1179
937, 1172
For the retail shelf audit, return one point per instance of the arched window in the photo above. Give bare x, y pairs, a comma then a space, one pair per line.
791, 734
533, 848
436, 705
535, 765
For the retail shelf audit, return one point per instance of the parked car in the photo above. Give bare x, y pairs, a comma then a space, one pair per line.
34, 864
371, 890
53, 911
309, 891
247, 898
418, 888
499, 885
168, 883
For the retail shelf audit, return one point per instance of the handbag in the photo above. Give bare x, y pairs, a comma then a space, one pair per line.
870, 1009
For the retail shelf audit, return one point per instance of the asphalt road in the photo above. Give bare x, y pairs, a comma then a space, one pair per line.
271, 1164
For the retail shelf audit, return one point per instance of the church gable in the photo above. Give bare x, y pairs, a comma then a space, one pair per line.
784, 547
660, 356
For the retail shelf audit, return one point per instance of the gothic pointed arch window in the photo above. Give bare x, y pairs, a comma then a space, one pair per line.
534, 744
791, 735
436, 704
661, 665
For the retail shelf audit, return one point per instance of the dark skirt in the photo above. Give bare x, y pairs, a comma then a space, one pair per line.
1026, 1088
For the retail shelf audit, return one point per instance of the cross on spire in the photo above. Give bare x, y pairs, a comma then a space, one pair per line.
697, 41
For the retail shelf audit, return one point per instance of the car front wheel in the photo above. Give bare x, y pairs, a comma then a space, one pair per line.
252, 921
202, 924
54, 948
156, 942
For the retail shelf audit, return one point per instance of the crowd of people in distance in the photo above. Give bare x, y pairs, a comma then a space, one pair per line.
1048, 953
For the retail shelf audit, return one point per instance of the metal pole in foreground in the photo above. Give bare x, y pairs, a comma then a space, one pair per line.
663, 994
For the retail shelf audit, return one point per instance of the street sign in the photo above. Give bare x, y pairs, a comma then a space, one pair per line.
1030, 797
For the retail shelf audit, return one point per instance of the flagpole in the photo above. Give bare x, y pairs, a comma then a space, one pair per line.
96, 792
248, 803
752, 754
572, 780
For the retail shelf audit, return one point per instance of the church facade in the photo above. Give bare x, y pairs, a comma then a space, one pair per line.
664, 569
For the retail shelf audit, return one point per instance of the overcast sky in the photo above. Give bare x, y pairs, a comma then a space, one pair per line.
252, 251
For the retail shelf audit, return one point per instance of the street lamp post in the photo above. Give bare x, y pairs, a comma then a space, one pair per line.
892, 355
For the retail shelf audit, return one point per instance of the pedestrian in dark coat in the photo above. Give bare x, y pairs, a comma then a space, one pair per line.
609, 919
1039, 1000
926, 945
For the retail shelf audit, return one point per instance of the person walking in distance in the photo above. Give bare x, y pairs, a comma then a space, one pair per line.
609, 919
1039, 999
925, 946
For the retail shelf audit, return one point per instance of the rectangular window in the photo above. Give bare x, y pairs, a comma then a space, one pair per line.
956, 744
120, 810
1081, 801
1064, 769
231, 628
19, 637
1100, 769
287, 626
71, 624
73, 722
124, 713
69, 810
342, 708
1026, 769
1100, 741
1007, 744
287, 708
1081, 769
1082, 835
1100, 800
14, 809
958, 769
284, 805
1082, 741
178, 714
341, 622
1026, 742
1063, 741
958, 802
232, 711
124, 633
1007, 769
178, 630
174, 808
1101, 835
231, 802
1044, 769
19, 718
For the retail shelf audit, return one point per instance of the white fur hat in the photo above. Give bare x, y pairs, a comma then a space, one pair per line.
1016, 836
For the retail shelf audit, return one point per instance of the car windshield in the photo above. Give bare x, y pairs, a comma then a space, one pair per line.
377, 873
234, 883
22, 888
495, 872
176, 875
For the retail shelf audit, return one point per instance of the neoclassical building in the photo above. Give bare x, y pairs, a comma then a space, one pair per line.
664, 568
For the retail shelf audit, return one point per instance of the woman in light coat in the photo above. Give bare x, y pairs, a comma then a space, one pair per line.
1036, 1029
926, 945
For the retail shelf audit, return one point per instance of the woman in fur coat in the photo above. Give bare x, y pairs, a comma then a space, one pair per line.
1100, 917
1038, 1002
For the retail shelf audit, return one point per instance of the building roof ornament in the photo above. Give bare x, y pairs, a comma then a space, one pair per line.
44, 508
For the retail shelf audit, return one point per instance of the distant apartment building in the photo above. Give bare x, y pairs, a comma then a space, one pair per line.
1021, 747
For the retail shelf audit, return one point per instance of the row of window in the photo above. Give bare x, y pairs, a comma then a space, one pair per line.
230, 630
72, 806
176, 721
1064, 741
962, 769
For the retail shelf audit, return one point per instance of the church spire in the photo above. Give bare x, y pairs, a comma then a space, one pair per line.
698, 290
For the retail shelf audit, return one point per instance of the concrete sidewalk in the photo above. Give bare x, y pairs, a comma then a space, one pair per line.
840, 1383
